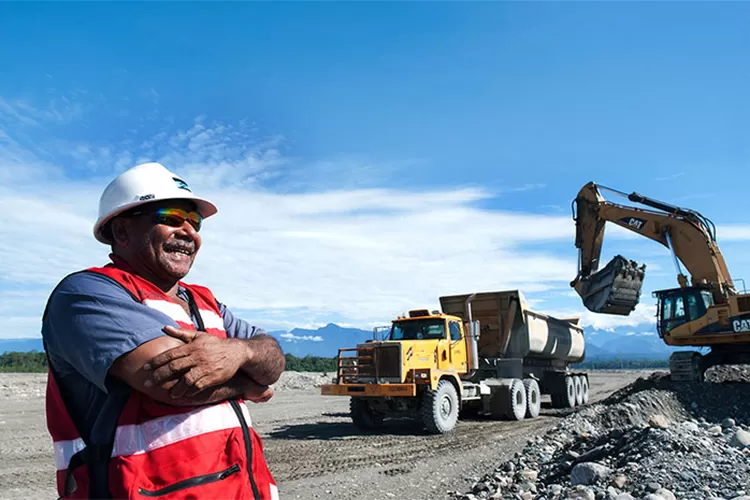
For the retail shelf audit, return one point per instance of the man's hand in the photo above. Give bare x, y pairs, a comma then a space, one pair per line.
204, 361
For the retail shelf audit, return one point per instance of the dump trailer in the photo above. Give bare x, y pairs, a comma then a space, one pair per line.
482, 353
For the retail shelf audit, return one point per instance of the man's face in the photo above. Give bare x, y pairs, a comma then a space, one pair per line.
164, 249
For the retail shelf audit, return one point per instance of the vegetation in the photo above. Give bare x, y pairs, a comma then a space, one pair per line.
310, 364
34, 361
23, 362
27, 362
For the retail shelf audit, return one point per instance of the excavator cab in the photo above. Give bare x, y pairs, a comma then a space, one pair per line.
680, 305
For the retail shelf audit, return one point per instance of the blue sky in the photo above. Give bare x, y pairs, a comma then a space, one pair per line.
369, 157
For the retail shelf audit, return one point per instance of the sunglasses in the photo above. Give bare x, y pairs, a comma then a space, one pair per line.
174, 217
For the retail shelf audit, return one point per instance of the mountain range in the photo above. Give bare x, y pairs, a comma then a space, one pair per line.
326, 341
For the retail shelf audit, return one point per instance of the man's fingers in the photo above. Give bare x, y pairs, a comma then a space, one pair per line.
172, 369
179, 333
193, 382
166, 357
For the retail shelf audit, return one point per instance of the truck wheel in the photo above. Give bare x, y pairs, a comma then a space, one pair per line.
533, 398
585, 389
362, 415
579, 389
440, 408
509, 400
568, 399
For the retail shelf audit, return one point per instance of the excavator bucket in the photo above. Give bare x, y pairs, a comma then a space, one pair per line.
615, 289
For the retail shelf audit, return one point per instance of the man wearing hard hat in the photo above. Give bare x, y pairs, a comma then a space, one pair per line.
148, 375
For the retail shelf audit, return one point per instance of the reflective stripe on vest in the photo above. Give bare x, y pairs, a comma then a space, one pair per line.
159, 432
211, 320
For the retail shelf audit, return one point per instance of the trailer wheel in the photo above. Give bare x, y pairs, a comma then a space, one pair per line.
440, 408
569, 398
533, 398
584, 389
577, 382
362, 415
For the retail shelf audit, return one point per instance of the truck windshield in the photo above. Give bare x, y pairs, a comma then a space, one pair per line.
418, 329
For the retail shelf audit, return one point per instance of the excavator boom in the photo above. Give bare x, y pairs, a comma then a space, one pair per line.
616, 288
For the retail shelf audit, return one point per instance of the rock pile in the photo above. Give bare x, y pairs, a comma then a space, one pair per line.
654, 440
301, 381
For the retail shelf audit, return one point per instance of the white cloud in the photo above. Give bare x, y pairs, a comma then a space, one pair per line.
290, 337
640, 334
286, 258
735, 232
60, 110
362, 255
643, 314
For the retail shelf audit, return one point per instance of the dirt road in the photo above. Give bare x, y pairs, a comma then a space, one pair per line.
313, 449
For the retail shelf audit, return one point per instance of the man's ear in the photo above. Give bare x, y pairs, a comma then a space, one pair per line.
119, 229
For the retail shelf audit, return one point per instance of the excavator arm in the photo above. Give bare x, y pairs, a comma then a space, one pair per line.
615, 289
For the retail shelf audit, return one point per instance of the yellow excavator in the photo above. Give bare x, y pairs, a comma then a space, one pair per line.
706, 310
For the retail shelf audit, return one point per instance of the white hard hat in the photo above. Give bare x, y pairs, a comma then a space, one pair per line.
145, 183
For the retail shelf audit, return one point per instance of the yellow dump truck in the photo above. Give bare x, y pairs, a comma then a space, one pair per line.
482, 353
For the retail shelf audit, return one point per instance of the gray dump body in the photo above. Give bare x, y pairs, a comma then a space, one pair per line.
509, 329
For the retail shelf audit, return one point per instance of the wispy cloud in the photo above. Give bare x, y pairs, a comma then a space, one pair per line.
283, 255
644, 314
736, 232
59, 110
670, 177
290, 337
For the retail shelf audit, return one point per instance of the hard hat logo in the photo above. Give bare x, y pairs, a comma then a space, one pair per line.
142, 184
181, 184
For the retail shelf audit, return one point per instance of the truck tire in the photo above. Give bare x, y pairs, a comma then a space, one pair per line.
533, 398
585, 389
577, 382
440, 408
362, 415
569, 398
509, 400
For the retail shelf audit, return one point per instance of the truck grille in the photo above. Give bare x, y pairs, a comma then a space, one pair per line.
367, 364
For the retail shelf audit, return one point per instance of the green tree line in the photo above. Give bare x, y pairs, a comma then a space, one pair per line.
23, 362
27, 362
34, 361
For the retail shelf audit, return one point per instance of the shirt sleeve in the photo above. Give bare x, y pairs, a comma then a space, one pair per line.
238, 328
91, 321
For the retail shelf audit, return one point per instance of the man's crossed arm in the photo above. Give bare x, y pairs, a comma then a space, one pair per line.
195, 368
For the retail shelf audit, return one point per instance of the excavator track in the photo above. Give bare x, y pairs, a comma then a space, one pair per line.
686, 366
615, 289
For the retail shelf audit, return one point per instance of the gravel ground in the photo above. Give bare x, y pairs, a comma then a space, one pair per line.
312, 447
653, 440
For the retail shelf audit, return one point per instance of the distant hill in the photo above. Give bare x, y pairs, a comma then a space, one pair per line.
21, 345
609, 346
326, 341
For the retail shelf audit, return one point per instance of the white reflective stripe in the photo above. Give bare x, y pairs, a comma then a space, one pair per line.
64, 451
274, 492
212, 320
174, 311
132, 439
163, 431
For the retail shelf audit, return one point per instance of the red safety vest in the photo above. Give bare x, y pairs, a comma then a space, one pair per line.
160, 450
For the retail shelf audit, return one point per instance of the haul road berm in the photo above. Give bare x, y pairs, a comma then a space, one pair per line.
482, 353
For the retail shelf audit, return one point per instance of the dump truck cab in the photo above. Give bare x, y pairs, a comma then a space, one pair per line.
419, 350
